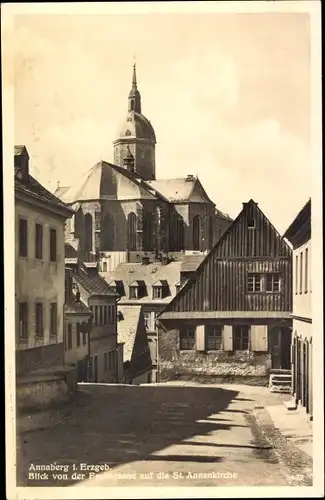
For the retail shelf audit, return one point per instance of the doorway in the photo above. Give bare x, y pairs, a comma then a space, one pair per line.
280, 342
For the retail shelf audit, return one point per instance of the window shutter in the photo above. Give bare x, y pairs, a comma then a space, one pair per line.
227, 338
259, 338
200, 338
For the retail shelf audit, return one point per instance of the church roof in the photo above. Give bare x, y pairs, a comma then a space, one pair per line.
184, 189
108, 182
136, 125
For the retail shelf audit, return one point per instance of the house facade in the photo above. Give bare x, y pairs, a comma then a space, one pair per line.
77, 330
93, 291
232, 319
137, 364
39, 291
40, 271
300, 237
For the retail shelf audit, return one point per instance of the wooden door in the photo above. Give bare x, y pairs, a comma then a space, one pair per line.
275, 343
285, 348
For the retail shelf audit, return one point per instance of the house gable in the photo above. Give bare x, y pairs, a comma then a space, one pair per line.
251, 244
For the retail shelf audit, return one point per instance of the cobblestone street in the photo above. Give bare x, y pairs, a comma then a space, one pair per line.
170, 434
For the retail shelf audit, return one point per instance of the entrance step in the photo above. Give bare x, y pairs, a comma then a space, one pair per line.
280, 382
280, 371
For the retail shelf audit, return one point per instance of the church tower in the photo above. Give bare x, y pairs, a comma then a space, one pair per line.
136, 136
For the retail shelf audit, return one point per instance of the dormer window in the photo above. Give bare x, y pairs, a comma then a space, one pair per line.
160, 289
137, 290
134, 292
116, 286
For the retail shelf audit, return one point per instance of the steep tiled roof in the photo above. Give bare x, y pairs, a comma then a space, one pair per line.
222, 215
93, 284
60, 191
174, 189
77, 307
191, 262
103, 181
150, 274
34, 189
70, 251
127, 328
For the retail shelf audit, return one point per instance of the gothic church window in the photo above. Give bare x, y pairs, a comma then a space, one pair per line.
179, 234
196, 232
88, 232
132, 231
148, 232
108, 233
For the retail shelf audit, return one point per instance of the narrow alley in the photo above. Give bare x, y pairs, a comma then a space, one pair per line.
171, 434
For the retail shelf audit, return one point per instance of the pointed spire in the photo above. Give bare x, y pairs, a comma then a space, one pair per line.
134, 95
134, 78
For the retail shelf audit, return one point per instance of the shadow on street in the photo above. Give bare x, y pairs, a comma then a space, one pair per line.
124, 424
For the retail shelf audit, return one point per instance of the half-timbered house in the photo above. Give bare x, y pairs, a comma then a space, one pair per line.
232, 319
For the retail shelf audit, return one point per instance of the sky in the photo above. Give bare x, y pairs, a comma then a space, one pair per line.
227, 94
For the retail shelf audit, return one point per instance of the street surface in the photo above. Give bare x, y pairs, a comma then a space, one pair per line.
169, 435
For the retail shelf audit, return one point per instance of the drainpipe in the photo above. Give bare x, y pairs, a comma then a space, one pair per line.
116, 349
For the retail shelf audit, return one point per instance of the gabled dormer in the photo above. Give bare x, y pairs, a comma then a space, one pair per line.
137, 289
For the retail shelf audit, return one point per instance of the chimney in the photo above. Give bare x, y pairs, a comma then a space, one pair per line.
21, 160
165, 259
145, 260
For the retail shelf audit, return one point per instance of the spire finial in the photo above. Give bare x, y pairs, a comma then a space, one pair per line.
134, 79
57, 184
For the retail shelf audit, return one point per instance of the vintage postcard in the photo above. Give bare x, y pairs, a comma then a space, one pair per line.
163, 249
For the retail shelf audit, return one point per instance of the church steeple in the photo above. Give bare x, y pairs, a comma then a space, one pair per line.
134, 94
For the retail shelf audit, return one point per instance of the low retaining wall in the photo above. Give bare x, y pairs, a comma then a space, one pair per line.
40, 392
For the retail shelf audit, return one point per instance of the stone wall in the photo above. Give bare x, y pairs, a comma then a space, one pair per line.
210, 366
46, 356
45, 392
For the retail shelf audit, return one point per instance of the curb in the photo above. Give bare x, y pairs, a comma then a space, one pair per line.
298, 463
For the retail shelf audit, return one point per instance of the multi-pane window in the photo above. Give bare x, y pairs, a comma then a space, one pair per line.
23, 320
38, 241
134, 292
69, 336
306, 270
39, 326
23, 235
53, 318
273, 283
301, 271
157, 292
213, 338
241, 337
53, 245
254, 282
196, 232
187, 339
